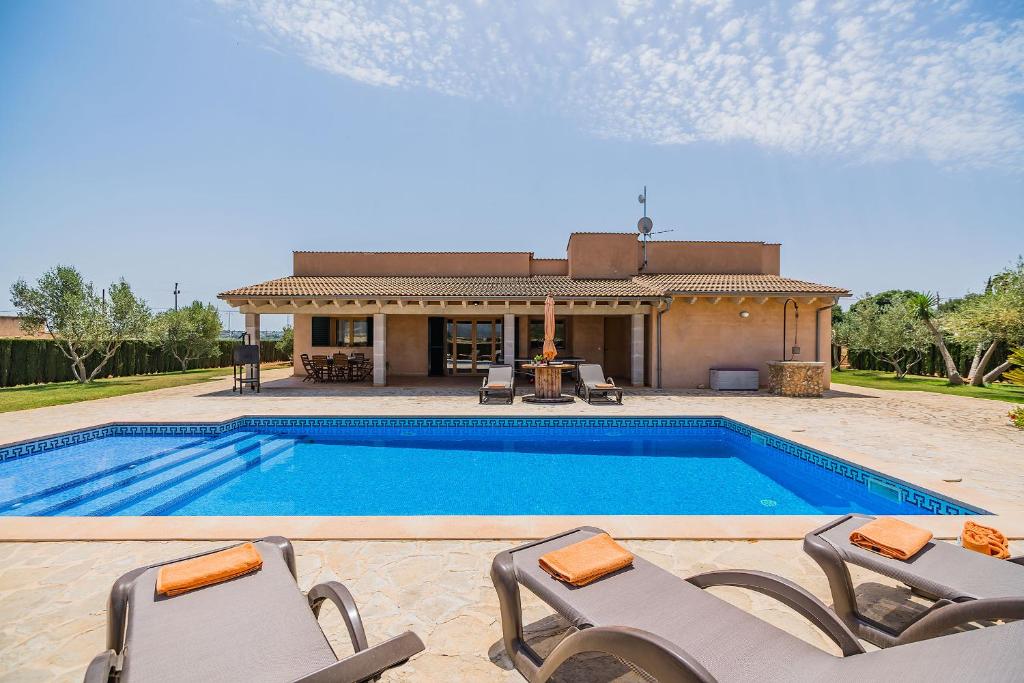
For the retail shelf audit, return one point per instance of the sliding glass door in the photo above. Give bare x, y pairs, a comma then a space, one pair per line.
472, 346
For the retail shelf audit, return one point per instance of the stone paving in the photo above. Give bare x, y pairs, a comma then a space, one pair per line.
52, 595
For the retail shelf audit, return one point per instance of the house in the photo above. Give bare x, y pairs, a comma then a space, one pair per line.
659, 315
10, 326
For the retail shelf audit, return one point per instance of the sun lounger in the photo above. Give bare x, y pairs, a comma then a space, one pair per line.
500, 380
592, 382
965, 585
258, 627
675, 631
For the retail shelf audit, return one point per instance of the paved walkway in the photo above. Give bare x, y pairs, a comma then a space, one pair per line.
52, 595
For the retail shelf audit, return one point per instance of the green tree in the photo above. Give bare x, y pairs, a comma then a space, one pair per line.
85, 326
287, 343
924, 307
892, 333
994, 317
189, 333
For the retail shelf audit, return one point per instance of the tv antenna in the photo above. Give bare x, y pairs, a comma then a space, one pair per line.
176, 292
646, 226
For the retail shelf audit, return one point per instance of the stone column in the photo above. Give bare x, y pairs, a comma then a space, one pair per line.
380, 346
508, 345
252, 329
636, 349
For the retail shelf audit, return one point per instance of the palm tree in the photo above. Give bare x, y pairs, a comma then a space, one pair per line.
923, 306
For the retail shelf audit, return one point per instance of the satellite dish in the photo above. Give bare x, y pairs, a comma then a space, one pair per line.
645, 225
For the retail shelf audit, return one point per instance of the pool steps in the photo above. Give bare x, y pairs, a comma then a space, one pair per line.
120, 501
84, 489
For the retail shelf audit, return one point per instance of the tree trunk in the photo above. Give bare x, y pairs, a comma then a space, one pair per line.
111, 350
952, 374
977, 359
998, 370
979, 374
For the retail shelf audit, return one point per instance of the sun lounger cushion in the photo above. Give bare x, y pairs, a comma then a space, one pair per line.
941, 569
256, 628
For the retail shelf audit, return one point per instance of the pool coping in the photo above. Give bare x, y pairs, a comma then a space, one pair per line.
1009, 518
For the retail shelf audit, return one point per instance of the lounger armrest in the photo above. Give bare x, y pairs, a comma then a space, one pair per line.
791, 595
938, 621
343, 600
1016, 560
369, 663
101, 667
656, 656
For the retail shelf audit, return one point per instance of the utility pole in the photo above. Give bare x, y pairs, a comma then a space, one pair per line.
176, 293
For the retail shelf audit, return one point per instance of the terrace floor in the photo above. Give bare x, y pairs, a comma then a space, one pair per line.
52, 595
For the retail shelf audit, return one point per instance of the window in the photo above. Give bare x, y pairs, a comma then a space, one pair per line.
537, 335
321, 331
354, 331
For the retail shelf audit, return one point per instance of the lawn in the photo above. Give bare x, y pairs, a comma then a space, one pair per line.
59, 393
874, 379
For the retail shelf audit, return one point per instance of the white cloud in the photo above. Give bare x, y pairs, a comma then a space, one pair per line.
891, 80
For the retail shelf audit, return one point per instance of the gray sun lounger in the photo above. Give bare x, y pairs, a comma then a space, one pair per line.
965, 585
258, 627
592, 375
675, 631
499, 374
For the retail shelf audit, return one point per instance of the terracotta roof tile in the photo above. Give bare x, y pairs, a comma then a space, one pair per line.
642, 286
716, 283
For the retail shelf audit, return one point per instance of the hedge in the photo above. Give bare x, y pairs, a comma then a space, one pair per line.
38, 361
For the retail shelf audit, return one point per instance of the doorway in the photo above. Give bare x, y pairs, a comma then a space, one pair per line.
472, 346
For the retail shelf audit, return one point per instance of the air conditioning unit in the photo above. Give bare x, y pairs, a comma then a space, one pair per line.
734, 379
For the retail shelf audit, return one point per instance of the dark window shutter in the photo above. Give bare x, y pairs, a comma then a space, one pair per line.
321, 331
369, 330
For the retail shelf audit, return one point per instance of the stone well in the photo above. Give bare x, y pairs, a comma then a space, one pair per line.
796, 378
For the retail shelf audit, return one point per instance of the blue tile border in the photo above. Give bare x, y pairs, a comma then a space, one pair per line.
367, 427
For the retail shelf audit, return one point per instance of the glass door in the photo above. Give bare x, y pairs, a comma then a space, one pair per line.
472, 345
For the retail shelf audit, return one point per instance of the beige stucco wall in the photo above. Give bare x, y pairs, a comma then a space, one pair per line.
10, 326
549, 266
699, 336
602, 255
407, 344
712, 257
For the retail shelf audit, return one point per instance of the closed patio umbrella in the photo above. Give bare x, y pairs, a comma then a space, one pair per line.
549, 351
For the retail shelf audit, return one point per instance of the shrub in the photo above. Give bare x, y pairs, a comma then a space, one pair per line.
1017, 417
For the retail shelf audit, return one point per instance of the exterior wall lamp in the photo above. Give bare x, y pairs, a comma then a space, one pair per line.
744, 314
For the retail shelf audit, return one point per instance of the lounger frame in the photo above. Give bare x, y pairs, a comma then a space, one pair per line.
365, 665
587, 389
656, 656
509, 382
941, 616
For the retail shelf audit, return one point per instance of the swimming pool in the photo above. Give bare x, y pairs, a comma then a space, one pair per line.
444, 466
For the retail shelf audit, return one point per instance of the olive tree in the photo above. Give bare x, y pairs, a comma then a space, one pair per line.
287, 343
893, 333
88, 328
188, 333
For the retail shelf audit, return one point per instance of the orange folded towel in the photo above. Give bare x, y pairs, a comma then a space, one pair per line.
497, 386
605, 386
985, 540
581, 563
181, 577
891, 538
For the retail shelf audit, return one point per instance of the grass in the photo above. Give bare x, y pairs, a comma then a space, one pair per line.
875, 379
59, 393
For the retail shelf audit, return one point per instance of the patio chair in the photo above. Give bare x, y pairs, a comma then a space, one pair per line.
592, 382
257, 627
674, 631
307, 365
500, 380
965, 586
341, 368
321, 369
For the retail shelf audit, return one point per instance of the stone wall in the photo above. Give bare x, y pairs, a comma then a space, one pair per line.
794, 378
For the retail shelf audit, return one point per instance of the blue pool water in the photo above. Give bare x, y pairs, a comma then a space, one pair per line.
316, 466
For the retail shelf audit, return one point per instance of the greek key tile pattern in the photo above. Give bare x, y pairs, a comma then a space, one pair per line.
567, 428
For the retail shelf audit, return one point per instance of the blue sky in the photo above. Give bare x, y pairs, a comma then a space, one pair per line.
881, 143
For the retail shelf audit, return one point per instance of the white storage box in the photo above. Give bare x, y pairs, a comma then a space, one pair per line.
734, 379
